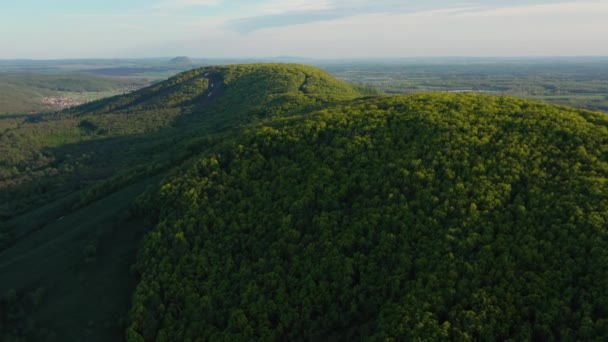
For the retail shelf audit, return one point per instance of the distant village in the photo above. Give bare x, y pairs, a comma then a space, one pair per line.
64, 102
61, 102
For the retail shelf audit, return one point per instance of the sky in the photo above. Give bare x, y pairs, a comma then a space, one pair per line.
43, 29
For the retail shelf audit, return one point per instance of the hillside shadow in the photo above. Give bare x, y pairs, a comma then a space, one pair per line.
75, 249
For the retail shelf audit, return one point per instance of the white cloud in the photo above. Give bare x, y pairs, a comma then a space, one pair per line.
571, 28
281, 6
575, 28
179, 4
575, 7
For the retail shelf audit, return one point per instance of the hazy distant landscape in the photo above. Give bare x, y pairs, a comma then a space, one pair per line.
45, 86
581, 82
36, 86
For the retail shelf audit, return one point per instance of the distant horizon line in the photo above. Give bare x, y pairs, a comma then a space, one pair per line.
313, 58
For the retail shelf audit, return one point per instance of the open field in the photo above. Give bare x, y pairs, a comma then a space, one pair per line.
575, 82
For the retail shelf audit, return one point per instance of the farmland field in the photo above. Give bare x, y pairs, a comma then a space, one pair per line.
578, 82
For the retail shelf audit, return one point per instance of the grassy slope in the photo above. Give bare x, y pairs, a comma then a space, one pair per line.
56, 260
18, 99
92, 173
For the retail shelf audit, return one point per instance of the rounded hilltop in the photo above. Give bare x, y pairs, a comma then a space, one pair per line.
241, 90
182, 60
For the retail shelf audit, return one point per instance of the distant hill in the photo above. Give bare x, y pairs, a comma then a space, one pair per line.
274, 202
182, 60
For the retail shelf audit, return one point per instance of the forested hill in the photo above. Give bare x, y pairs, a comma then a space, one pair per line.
426, 217
257, 88
41, 153
68, 232
277, 203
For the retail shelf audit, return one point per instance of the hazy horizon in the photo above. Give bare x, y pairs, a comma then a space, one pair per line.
319, 29
296, 58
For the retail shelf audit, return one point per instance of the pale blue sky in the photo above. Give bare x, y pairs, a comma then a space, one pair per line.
307, 28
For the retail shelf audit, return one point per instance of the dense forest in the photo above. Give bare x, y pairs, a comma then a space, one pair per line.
424, 217
274, 202
68, 182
